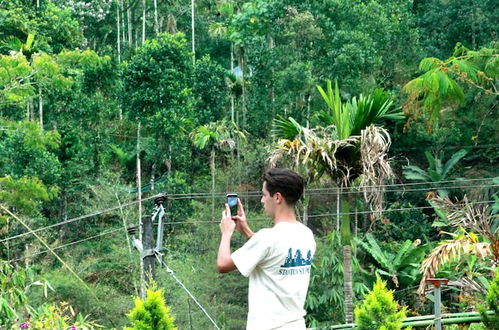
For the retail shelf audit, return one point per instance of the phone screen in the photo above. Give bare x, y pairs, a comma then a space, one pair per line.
232, 201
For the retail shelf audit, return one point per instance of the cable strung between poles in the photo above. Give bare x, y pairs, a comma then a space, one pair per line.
217, 195
169, 271
218, 221
112, 231
262, 219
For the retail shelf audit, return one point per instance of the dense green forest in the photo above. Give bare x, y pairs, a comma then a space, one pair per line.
388, 108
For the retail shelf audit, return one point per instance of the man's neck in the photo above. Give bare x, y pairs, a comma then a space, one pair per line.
285, 215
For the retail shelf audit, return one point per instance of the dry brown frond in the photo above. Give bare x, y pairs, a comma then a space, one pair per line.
227, 143
467, 286
471, 216
448, 251
313, 147
374, 145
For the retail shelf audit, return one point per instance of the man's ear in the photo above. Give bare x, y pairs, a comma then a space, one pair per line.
279, 197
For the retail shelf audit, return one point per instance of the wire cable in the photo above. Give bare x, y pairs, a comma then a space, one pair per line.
112, 231
51, 251
89, 215
262, 219
217, 195
108, 232
334, 191
172, 274
209, 194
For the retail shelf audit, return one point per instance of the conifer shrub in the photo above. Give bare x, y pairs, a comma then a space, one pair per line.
151, 313
379, 310
492, 299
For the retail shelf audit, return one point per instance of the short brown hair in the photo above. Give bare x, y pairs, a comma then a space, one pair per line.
285, 181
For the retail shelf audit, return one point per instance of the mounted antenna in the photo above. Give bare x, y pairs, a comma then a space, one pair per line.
159, 212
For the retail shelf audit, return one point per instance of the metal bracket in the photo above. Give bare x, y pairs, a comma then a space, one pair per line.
147, 253
159, 214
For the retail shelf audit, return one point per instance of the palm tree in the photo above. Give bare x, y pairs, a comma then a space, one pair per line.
349, 149
216, 135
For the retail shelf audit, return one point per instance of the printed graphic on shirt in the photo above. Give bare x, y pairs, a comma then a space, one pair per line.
297, 260
297, 264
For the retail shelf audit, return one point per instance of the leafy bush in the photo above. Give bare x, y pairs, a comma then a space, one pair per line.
56, 317
379, 310
18, 311
492, 321
151, 313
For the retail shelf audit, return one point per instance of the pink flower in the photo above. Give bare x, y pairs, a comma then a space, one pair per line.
24, 325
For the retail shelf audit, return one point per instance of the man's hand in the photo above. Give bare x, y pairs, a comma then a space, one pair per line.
241, 223
227, 225
224, 259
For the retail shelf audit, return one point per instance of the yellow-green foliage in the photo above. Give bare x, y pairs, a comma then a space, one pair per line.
151, 313
492, 321
379, 310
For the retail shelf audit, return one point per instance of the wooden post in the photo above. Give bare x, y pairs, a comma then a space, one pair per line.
139, 198
149, 259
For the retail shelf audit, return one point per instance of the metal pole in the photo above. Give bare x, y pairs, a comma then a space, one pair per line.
437, 282
159, 214
149, 262
438, 310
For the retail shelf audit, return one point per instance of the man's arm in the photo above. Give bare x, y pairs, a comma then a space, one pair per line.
225, 263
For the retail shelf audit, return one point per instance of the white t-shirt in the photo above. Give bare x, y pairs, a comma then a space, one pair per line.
277, 261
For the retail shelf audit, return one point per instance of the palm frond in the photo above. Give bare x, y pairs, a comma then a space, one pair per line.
413, 172
471, 216
374, 145
430, 63
453, 161
286, 128
450, 250
406, 246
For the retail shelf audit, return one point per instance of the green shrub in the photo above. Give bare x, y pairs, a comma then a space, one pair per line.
492, 321
151, 313
379, 310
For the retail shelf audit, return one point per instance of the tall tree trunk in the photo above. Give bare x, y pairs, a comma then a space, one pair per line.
193, 37
156, 25
139, 197
272, 87
347, 283
40, 107
130, 27
309, 98
306, 200
123, 25
31, 110
346, 241
169, 161
338, 202
242, 66
212, 168
118, 35
232, 105
143, 21
153, 176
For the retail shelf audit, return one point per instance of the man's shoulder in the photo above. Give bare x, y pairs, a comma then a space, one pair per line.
262, 233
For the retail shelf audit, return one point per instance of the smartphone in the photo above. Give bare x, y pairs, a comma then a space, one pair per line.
232, 201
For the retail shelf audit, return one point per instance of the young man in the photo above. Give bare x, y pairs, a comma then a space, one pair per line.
277, 260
